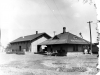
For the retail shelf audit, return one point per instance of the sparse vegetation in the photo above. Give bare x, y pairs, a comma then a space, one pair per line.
31, 64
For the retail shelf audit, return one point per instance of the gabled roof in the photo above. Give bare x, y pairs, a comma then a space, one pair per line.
65, 38
31, 37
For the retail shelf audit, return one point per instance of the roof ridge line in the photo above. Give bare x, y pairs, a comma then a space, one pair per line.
31, 34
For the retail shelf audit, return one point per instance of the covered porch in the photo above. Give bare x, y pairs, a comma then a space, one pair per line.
62, 49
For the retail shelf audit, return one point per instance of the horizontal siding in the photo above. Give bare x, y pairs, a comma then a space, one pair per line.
80, 48
66, 47
23, 46
35, 43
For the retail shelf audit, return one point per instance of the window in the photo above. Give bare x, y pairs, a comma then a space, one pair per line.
75, 37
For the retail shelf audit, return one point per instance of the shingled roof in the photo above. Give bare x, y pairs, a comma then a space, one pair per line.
65, 38
30, 37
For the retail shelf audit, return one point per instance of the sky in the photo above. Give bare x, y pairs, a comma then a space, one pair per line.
25, 17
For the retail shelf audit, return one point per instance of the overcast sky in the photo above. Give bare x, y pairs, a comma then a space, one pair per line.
25, 17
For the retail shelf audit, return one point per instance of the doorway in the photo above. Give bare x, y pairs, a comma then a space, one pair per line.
75, 48
19, 48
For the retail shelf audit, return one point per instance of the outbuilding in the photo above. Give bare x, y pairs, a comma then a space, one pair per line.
29, 43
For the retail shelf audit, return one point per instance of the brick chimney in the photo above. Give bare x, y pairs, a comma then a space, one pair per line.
64, 29
36, 32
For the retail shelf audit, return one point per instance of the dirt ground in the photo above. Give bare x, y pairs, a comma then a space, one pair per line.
35, 64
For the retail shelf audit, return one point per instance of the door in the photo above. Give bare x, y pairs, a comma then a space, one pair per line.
19, 48
75, 48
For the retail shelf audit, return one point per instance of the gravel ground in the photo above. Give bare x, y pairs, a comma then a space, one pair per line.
35, 64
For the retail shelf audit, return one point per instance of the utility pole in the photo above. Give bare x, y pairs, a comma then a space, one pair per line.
90, 35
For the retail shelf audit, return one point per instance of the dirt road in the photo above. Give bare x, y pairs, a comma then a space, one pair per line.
35, 64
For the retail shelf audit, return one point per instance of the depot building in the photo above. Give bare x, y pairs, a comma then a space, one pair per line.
66, 41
